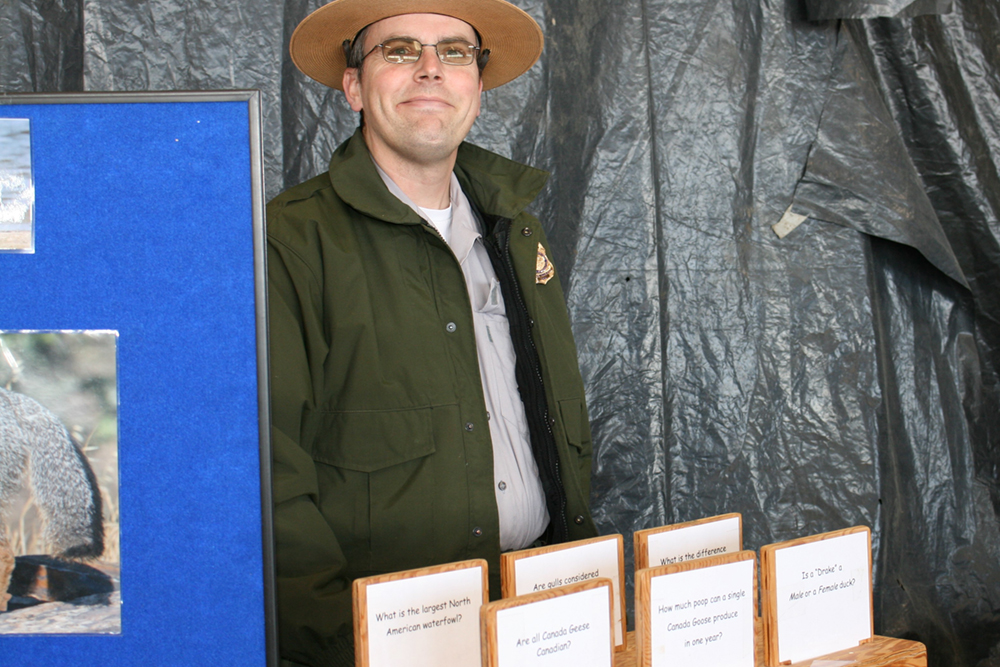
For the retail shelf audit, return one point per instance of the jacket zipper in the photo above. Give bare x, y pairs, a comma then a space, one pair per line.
542, 433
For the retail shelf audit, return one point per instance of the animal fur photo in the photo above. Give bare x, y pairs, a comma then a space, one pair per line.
59, 548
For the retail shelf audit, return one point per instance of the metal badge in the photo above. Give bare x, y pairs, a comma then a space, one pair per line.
544, 270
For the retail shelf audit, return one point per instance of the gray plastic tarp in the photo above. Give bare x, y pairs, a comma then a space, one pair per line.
843, 373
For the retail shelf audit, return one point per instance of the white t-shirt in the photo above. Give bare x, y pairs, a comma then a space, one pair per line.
441, 219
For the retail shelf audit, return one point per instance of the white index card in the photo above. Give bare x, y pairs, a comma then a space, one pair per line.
426, 621
570, 630
703, 616
701, 540
590, 560
823, 591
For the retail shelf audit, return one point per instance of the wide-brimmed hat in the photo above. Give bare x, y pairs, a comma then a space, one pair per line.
512, 36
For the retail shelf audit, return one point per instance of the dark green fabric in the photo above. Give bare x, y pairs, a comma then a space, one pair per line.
382, 454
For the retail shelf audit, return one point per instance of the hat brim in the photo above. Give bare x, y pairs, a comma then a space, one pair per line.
514, 38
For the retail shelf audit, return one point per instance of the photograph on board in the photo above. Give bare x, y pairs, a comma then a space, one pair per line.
17, 189
59, 546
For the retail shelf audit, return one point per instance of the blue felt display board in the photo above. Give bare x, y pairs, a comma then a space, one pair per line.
145, 224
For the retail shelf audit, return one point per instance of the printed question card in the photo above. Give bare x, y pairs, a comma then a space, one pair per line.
421, 618
697, 613
558, 565
822, 594
680, 542
561, 627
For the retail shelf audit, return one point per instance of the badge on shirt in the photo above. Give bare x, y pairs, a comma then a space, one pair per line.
544, 270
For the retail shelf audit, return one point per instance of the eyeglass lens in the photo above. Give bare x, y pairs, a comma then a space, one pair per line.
400, 51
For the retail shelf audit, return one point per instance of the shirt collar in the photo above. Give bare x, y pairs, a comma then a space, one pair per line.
498, 186
464, 228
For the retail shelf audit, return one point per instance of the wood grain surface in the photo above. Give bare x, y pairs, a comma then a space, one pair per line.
879, 652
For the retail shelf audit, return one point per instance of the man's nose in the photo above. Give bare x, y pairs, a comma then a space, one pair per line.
429, 64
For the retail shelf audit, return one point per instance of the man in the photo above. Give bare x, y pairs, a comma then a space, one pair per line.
427, 406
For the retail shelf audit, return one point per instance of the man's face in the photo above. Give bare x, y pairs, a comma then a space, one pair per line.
418, 112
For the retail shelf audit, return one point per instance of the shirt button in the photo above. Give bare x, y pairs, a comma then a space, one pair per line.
451, 327
487, 416
477, 531
502, 486
469, 426
526, 231
578, 519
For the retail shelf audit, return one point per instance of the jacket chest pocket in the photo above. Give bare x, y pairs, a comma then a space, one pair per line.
370, 440
393, 485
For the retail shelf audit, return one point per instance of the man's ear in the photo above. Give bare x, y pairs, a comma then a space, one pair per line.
352, 88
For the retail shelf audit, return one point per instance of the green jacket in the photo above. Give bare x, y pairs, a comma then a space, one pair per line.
382, 453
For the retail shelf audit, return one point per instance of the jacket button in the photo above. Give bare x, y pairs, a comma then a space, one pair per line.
526, 231
477, 531
451, 327
469, 426
578, 519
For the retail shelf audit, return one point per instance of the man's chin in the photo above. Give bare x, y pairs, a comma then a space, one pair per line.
428, 148
426, 143
434, 154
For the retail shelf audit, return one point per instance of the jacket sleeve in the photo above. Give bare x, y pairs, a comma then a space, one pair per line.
313, 596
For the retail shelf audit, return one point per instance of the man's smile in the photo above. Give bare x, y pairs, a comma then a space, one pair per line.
427, 101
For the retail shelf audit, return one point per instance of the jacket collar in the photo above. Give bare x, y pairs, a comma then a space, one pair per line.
494, 184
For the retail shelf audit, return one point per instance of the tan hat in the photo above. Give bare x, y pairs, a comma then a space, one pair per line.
512, 36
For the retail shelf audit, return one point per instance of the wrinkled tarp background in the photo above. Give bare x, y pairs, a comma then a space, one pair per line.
844, 374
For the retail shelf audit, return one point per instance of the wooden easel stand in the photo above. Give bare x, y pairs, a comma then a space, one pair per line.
879, 652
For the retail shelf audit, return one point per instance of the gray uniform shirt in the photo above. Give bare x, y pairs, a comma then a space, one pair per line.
518, 488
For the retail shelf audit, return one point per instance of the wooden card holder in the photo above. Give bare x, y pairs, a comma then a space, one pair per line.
879, 652
421, 618
679, 542
816, 594
697, 612
568, 625
544, 568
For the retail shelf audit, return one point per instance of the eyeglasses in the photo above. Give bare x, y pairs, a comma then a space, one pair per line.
401, 51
